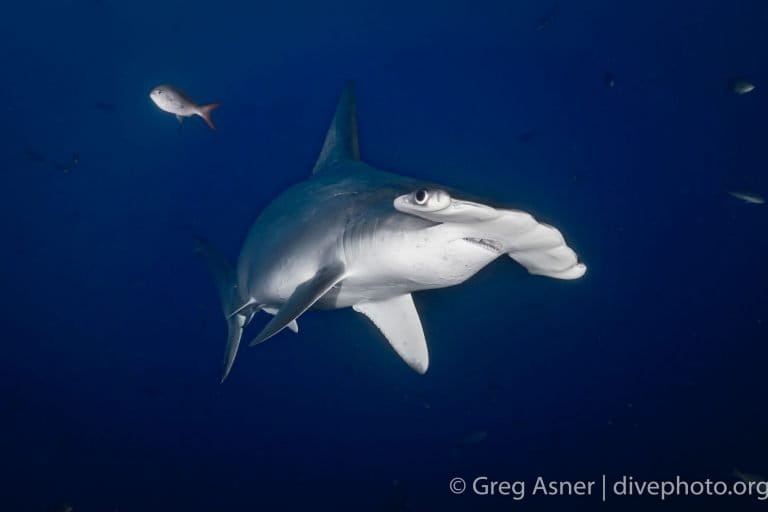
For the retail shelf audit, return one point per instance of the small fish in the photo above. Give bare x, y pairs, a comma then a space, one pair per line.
174, 101
609, 80
748, 198
741, 87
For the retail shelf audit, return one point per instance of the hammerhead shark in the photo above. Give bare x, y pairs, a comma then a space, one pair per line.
354, 236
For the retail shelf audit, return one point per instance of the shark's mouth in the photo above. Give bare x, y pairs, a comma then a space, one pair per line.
486, 243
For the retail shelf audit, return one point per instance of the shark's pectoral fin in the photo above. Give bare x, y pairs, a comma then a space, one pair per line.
294, 326
301, 300
399, 322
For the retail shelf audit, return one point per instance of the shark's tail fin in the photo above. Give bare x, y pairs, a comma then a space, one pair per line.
231, 300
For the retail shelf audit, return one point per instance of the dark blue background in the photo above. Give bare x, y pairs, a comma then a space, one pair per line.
652, 365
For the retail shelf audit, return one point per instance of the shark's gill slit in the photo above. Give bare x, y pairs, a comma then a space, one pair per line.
486, 243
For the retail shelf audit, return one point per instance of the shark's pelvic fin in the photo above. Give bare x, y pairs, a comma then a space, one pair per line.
341, 139
294, 326
301, 300
229, 294
249, 305
399, 322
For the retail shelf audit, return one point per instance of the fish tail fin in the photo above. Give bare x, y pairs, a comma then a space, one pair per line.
204, 111
225, 278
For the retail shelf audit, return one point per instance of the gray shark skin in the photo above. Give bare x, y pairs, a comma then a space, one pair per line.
354, 236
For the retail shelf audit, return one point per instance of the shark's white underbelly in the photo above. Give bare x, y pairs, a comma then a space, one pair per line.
384, 267
427, 259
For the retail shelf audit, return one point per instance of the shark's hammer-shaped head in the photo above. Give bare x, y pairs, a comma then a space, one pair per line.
473, 232
428, 239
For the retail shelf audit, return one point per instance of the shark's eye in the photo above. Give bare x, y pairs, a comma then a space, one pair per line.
423, 200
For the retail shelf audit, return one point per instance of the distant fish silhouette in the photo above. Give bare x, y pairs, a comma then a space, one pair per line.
609, 79
741, 87
748, 197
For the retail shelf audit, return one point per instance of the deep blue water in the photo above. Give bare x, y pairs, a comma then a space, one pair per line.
652, 365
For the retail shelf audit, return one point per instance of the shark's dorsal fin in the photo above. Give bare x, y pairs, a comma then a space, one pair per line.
399, 322
341, 139
303, 297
